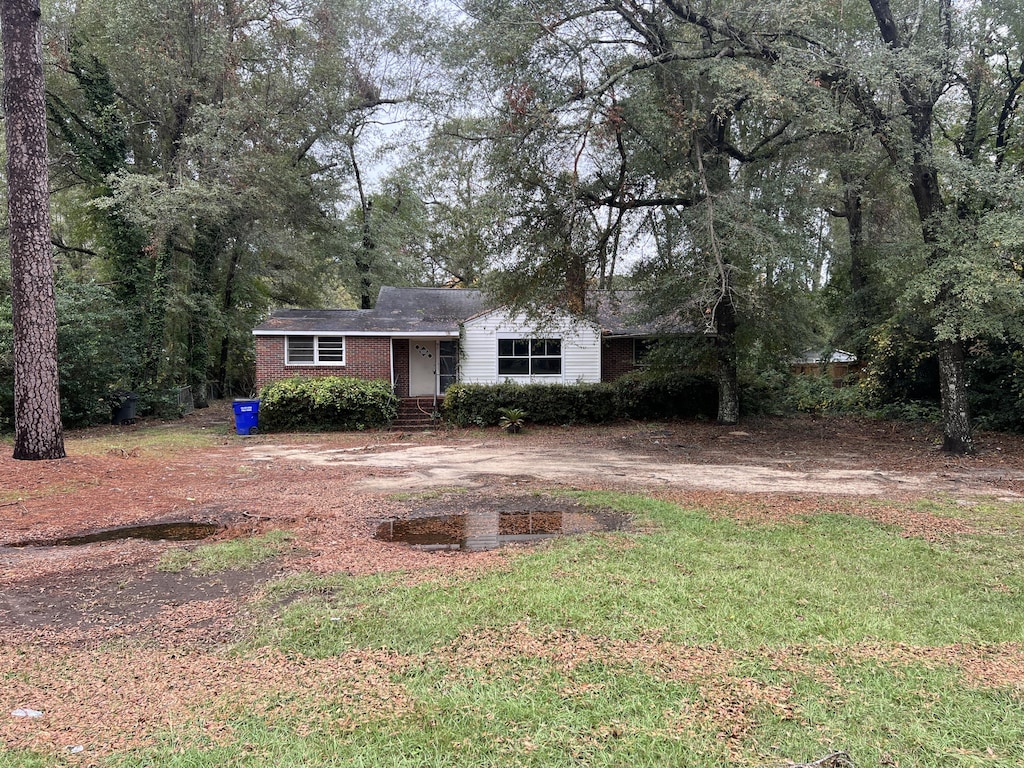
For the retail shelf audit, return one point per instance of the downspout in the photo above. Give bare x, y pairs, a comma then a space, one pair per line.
437, 377
394, 379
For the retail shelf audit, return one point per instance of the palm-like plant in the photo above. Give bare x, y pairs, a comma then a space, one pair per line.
512, 420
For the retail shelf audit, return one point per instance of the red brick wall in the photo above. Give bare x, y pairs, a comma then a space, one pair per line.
616, 358
402, 366
366, 357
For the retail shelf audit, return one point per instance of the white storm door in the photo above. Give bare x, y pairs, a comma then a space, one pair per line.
422, 368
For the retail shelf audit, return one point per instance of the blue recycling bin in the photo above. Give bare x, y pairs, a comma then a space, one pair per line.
247, 416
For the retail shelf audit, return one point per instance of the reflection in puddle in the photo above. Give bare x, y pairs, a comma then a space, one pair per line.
157, 532
482, 530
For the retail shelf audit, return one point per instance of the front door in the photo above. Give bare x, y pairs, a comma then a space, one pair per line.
432, 366
422, 368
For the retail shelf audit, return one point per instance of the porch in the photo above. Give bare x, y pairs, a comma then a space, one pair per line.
423, 367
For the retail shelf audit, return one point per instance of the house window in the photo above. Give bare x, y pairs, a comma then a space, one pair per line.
526, 357
642, 351
315, 350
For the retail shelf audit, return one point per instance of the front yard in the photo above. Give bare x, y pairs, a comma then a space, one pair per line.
784, 592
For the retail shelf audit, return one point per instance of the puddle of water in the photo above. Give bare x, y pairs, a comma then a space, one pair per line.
483, 530
156, 532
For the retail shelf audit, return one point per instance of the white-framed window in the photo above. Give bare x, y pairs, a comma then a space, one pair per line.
529, 357
314, 350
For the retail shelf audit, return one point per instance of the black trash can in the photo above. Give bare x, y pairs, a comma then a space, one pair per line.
124, 408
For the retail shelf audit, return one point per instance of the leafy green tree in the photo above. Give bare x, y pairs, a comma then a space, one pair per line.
552, 239
209, 142
460, 210
374, 116
915, 84
381, 242
624, 122
93, 359
943, 73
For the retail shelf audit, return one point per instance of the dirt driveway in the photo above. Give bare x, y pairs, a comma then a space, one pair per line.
482, 464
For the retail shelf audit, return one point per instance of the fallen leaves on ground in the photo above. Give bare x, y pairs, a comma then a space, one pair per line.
111, 673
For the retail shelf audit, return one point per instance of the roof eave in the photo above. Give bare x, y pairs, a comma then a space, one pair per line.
334, 332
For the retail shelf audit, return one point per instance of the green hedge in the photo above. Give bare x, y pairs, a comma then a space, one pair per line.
641, 395
634, 396
330, 403
480, 404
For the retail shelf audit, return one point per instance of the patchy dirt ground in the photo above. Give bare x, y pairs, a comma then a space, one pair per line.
332, 491
482, 463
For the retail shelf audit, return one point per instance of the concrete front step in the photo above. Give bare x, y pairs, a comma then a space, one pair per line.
412, 426
414, 419
416, 413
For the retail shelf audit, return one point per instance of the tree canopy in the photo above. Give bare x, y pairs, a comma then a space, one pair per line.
788, 176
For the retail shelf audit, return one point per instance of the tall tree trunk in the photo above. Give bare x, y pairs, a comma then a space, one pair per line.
920, 95
725, 369
38, 433
715, 180
853, 207
860, 303
228, 303
364, 256
575, 280
956, 413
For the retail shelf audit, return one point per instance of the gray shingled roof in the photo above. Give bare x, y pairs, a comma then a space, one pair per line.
398, 311
619, 314
446, 307
440, 311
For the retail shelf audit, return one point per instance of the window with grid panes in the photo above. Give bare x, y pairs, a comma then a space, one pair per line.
315, 350
525, 357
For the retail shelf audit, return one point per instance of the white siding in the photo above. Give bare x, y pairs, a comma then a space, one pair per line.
581, 347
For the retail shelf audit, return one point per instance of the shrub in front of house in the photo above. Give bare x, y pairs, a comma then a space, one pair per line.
643, 395
329, 403
636, 396
481, 404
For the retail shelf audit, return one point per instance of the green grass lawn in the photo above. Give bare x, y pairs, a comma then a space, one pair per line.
236, 553
697, 642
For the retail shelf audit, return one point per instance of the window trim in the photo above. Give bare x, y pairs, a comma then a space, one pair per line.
642, 347
530, 356
316, 361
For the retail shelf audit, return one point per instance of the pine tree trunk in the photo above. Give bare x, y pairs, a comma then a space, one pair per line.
956, 415
38, 433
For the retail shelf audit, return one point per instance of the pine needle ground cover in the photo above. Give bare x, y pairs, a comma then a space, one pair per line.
695, 640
